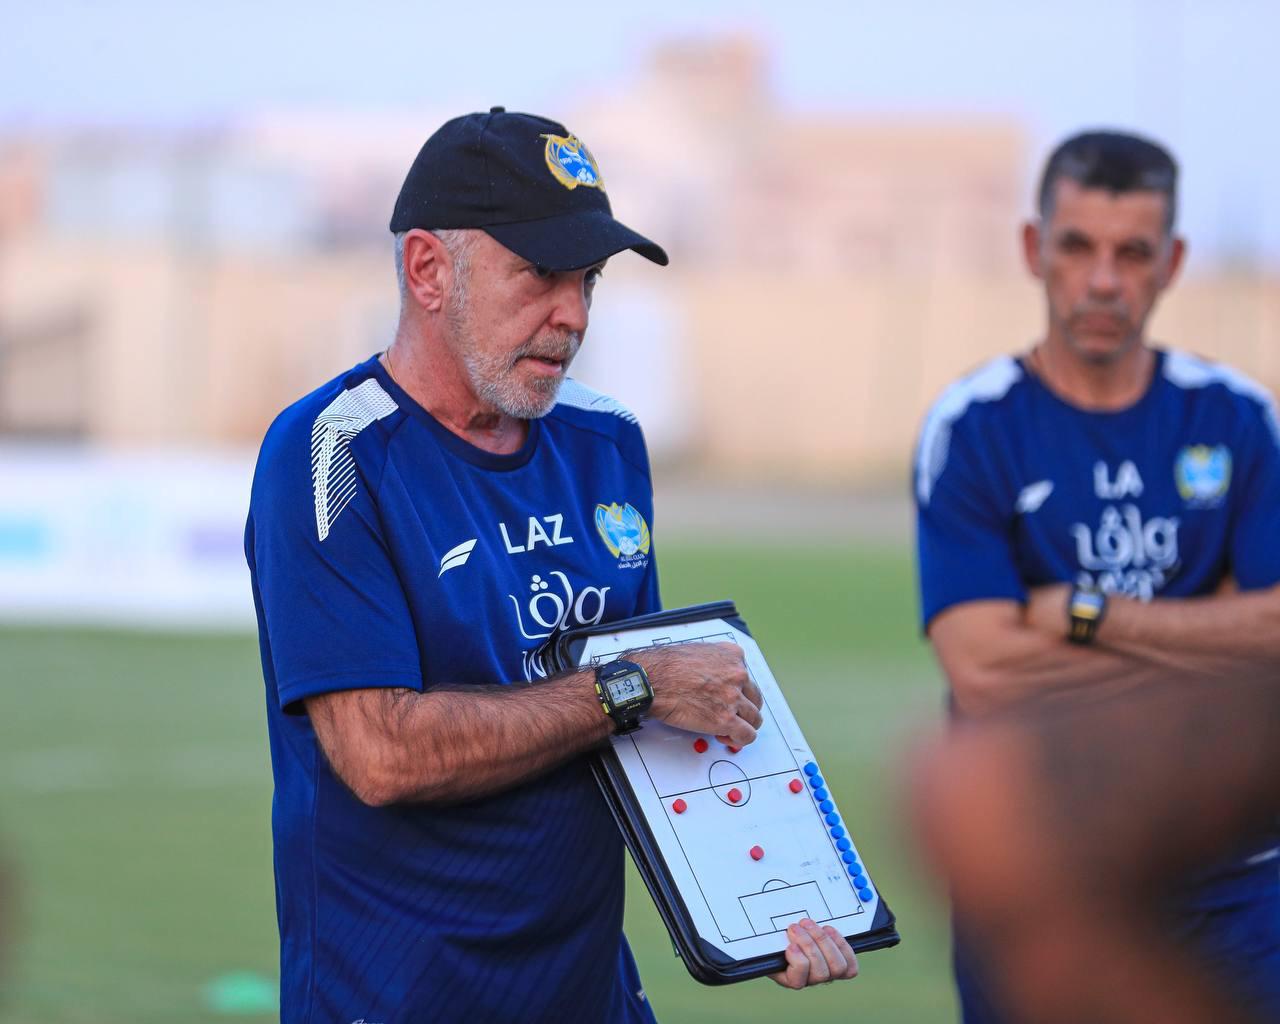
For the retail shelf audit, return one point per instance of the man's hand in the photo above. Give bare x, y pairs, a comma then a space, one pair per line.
703, 687
815, 956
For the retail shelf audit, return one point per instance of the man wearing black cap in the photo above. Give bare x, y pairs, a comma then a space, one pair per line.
419, 526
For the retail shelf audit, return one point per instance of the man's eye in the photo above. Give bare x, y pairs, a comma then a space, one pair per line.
1136, 254
593, 276
542, 273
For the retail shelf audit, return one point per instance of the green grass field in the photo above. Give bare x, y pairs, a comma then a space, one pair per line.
135, 796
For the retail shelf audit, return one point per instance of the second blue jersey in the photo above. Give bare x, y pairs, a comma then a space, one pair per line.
1167, 498
387, 552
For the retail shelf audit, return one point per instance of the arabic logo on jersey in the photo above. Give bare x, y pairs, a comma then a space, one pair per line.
625, 534
572, 163
554, 603
1128, 553
1203, 474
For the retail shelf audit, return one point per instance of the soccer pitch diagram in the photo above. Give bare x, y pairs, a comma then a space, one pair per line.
751, 836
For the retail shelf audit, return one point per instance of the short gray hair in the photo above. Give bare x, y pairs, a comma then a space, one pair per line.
458, 243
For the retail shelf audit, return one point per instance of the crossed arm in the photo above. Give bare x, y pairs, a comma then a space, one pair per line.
1224, 632
1000, 653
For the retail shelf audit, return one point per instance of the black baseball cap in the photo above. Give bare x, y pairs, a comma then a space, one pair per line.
526, 181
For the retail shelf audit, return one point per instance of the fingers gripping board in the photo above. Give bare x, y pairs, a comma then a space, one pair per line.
733, 844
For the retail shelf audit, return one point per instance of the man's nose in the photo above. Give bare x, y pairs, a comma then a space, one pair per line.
572, 304
1103, 279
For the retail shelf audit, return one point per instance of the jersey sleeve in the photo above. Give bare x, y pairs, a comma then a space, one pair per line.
964, 543
1255, 539
335, 613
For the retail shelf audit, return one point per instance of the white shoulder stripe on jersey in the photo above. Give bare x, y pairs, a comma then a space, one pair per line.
989, 383
1264, 856
333, 471
579, 396
1187, 371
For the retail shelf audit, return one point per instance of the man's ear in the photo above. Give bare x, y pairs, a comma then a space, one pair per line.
1177, 256
426, 268
1031, 248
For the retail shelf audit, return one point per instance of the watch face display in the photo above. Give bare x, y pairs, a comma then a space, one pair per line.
625, 688
1086, 604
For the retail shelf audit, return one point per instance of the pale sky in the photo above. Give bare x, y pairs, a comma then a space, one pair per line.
1201, 75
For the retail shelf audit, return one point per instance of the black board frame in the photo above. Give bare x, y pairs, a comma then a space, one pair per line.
705, 961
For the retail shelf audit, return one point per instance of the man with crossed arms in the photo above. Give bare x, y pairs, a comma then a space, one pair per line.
1100, 513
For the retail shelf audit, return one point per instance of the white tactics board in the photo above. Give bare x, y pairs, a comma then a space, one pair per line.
752, 837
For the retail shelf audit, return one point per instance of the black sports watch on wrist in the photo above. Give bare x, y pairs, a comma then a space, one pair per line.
624, 692
1085, 610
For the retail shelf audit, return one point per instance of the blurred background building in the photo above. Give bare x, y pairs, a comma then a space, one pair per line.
180, 286
166, 287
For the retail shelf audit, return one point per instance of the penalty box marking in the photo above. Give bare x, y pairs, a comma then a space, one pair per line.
765, 909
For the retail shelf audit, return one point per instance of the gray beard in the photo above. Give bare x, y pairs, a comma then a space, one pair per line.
496, 383
493, 378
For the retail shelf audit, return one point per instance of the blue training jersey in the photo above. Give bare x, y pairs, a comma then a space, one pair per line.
1016, 488
385, 551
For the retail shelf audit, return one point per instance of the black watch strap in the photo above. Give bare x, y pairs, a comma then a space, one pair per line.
625, 721
1085, 610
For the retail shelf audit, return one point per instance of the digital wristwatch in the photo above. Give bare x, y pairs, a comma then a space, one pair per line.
1085, 610
624, 692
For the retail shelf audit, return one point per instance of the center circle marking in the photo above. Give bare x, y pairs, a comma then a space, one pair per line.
724, 776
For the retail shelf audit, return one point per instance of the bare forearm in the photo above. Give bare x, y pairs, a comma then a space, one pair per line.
449, 745
454, 745
1217, 634
995, 659
1030, 666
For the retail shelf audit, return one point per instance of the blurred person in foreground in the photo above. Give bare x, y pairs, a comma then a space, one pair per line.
418, 527
1101, 808
1097, 515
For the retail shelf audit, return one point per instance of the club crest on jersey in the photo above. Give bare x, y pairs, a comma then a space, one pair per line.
572, 163
625, 534
1203, 474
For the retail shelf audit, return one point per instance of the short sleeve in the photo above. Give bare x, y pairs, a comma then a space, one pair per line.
1255, 537
335, 613
964, 543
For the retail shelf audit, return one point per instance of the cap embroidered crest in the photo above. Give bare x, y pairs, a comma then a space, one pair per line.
572, 163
